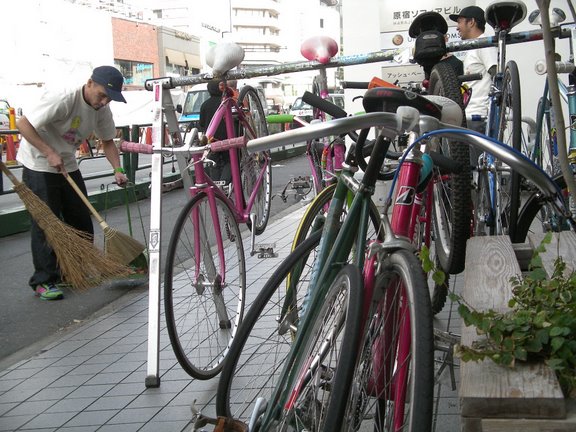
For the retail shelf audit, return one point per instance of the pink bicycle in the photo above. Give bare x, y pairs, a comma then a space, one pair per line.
205, 272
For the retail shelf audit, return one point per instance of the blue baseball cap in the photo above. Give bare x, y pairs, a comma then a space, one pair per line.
111, 79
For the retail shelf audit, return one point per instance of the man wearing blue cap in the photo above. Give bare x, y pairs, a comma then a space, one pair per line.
51, 134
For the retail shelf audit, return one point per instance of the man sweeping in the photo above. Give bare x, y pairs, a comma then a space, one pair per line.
51, 134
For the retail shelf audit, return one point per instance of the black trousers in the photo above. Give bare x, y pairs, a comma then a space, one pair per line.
55, 191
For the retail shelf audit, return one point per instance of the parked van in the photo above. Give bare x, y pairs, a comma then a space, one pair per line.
198, 94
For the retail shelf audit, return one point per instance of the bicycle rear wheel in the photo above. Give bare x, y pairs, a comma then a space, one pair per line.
204, 289
326, 363
393, 382
510, 132
251, 165
451, 204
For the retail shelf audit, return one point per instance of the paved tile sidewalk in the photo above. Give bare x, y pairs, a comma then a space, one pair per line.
92, 378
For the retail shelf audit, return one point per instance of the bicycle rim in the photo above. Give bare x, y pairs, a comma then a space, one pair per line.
260, 348
393, 383
204, 302
451, 204
252, 164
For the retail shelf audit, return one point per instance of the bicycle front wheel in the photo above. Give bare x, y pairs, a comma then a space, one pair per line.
393, 382
255, 165
204, 285
451, 203
326, 363
265, 336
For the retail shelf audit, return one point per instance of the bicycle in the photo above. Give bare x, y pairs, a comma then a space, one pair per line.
497, 187
544, 149
336, 248
324, 156
205, 275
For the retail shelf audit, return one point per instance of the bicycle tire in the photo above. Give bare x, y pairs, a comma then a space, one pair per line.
510, 132
371, 403
422, 230
537, 215
251, 163
201, 325
545, 152
325, 365
451, 204
259, 349
315, 215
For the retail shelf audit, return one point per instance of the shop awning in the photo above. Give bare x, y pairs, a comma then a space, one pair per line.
193, 61
175, 57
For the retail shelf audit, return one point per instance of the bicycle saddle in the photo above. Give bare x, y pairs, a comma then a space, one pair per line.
427, 21
223, 57
556, 17
504, 15
385, 99
321, 48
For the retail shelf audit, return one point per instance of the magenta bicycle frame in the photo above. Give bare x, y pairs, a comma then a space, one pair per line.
390, 357
205, 184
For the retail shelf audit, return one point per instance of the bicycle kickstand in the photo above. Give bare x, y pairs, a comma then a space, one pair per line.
262, 250
444, 342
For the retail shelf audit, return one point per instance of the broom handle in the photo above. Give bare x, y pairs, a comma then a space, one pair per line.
9, 174
99, 218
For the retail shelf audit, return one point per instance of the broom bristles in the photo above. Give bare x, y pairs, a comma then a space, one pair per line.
121, 247
82, 265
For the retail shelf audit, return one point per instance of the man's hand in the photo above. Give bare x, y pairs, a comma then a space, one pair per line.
120, 178
56, 162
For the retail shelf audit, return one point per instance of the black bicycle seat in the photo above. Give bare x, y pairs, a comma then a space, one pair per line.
503, 15
387, 99
427, 21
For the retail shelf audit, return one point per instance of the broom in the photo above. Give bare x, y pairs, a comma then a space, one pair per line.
82, 265
117, 245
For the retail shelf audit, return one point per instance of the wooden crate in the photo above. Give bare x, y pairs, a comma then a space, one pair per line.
496, 398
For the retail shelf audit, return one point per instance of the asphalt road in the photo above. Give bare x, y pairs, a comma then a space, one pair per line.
27, 322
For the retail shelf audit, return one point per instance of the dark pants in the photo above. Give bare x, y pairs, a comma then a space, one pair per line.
55, 191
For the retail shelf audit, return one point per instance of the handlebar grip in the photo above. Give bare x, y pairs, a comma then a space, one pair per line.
133, 147
228, 144
280, 118
363, 85
322, 104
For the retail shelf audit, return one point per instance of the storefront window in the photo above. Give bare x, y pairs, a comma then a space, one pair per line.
135, 73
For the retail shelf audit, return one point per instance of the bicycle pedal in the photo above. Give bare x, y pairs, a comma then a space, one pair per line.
265, 250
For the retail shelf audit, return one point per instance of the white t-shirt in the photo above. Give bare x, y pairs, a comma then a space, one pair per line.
480, 61
64, 120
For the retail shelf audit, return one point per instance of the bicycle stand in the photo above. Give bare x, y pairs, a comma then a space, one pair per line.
164, 115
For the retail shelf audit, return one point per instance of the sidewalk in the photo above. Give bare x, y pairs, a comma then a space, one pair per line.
92, 377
